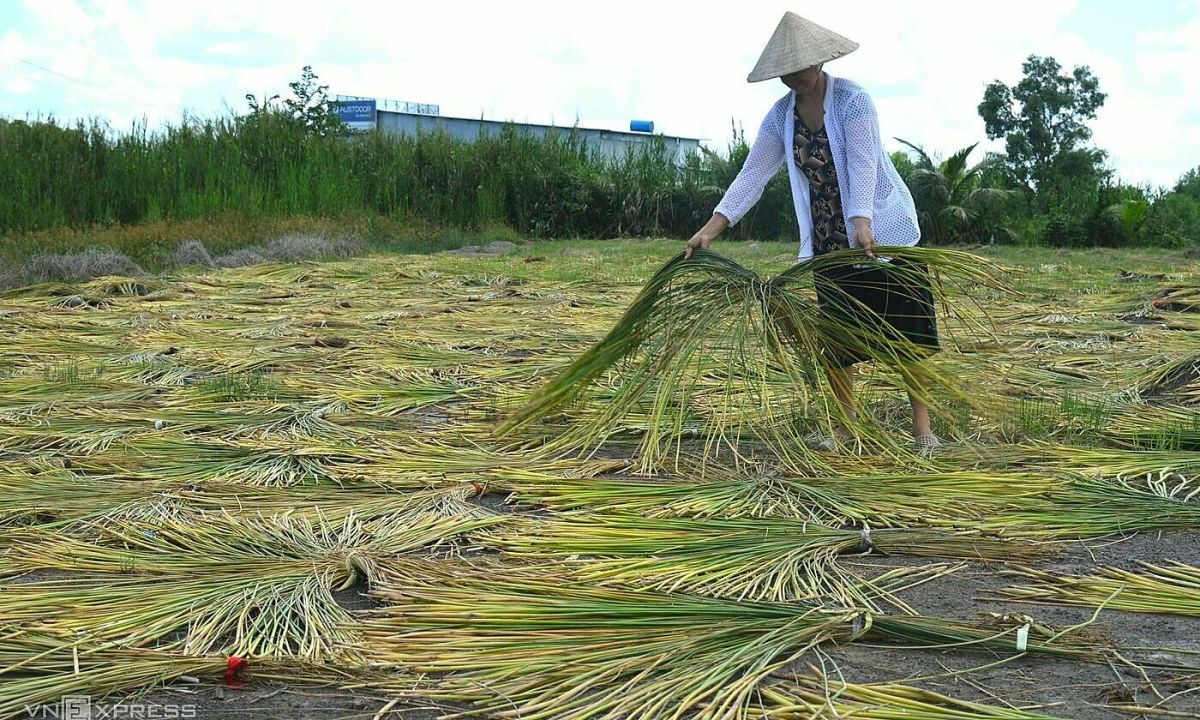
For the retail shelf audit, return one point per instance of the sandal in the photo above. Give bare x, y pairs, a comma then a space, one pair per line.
927, 445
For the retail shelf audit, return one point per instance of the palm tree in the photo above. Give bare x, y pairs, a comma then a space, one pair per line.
952, 203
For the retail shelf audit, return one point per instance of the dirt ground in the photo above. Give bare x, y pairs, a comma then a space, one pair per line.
1063, 688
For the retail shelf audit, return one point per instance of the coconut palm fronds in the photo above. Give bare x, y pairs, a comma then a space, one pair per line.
709, 348
1172, 588
814, 694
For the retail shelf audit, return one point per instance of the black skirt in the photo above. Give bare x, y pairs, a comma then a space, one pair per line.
876, 310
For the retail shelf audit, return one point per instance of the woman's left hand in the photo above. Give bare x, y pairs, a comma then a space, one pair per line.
863, 237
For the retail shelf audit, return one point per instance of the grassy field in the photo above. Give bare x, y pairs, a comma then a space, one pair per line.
297, 464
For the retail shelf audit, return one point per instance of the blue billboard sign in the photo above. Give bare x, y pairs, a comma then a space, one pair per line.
356, 112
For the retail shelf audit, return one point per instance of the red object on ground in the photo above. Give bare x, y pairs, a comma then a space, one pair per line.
232, 667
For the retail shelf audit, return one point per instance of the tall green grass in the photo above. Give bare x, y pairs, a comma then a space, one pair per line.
267, 165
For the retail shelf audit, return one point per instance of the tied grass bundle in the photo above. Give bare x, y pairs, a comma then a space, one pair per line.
710, 348
1172, 588
1082, 507
877, 499
287, 612
772, 560
75, 504
259, 587
39, 669
536, 648
813, 694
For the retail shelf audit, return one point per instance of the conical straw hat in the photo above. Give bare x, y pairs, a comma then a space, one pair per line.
798, 44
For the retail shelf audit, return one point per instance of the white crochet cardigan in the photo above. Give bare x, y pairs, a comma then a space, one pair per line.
869, 184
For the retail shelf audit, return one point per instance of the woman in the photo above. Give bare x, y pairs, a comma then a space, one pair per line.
846, 194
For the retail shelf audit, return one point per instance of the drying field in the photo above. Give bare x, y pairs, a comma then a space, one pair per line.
296, 466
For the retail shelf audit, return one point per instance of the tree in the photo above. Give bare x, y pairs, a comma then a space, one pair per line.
1040, 118
1189, 184
309, 105
953, 203
774, 209
1173, 220
903, 164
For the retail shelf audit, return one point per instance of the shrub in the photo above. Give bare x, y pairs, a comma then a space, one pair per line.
241, 257
79, 267
192, 253
292, 248
1171, 221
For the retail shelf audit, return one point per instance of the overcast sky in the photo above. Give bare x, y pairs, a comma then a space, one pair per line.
682, 65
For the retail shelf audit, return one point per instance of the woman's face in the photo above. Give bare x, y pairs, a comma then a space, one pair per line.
803, 81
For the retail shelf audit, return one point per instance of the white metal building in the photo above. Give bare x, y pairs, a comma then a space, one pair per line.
410, 118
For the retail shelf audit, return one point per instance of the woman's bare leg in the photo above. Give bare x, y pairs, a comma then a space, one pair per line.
914, 377
842, 382
920, 413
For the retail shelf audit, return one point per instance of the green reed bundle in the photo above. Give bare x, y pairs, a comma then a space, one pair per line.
551, 648
709, 348
1171, 588
748, 558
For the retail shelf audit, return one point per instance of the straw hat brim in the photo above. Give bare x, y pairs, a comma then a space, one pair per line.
797, 44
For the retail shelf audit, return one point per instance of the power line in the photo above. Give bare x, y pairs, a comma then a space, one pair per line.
93, 86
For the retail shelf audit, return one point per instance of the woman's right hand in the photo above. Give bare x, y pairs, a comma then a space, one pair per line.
701, 240
705, 235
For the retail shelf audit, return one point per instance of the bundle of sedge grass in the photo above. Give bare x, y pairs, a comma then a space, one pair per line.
259, 587
39, 669
773, 560
1171, 588
554, 648
871, 498
1093, 507
73, 504
710, 349
813, 694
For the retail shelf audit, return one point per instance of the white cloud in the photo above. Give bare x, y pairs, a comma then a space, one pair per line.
926, 63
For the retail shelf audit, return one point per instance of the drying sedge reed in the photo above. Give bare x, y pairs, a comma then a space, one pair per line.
709, 348
748, 558
1171, 588
541, 648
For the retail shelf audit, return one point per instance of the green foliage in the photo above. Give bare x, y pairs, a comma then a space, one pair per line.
1173, 220
904, 165
267, 164
1040, 118
1189, 184
773, 210
953, 202
309, 106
